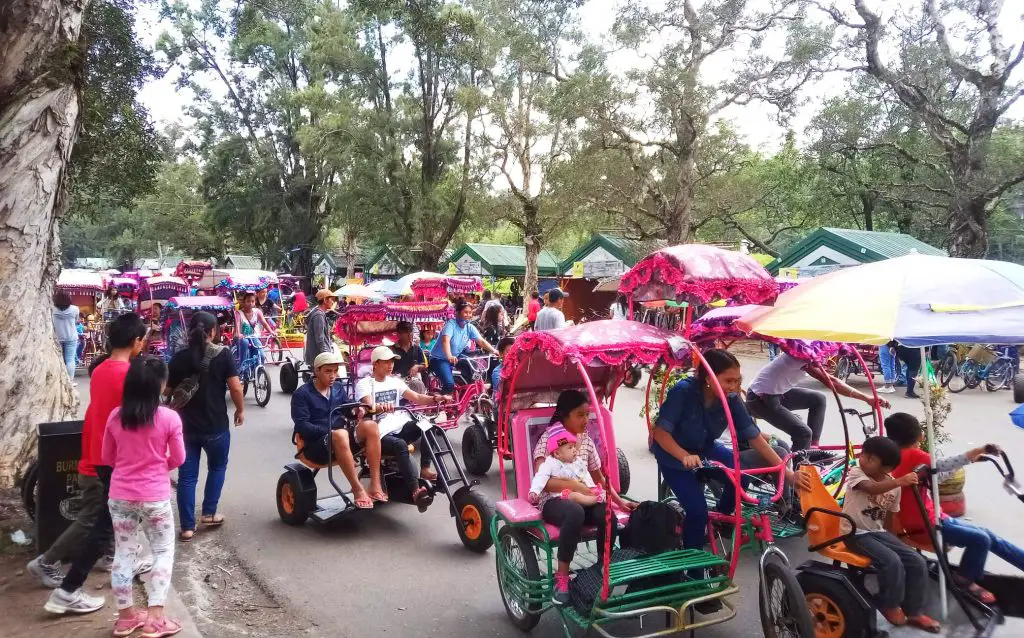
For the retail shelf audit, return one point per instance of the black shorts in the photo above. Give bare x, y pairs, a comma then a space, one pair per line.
316, 450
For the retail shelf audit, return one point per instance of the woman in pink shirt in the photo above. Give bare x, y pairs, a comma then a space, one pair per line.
143, 442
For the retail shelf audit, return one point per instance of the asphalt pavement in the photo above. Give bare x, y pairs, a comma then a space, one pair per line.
394, 571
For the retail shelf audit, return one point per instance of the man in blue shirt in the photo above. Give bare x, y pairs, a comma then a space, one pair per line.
311, 413
686, 434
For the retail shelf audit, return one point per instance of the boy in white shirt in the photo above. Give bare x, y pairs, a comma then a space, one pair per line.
382, 392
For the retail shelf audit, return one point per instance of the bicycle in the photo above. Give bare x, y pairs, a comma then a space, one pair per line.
949, 367
253, 370
984, 364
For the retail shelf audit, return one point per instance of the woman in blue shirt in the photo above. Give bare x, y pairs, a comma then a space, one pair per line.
452, 343
686, 433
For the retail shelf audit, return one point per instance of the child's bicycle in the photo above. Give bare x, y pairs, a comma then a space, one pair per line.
252, 370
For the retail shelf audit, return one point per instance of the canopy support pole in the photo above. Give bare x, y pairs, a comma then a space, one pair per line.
926, 386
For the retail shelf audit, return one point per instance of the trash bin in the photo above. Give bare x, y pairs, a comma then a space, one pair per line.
58, 498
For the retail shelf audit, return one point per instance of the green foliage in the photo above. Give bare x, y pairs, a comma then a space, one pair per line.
116, 155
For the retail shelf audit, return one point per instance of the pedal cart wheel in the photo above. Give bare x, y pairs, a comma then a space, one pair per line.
477, 453
781, 602
516, 564
623, 470
843, 368
288, 377
473, 514
835, 612
261, 387
275, 351
291, 506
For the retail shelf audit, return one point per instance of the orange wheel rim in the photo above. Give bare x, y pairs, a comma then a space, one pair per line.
287, 498
828, 618
472, 522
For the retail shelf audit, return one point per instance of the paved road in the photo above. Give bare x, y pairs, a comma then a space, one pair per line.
394, 571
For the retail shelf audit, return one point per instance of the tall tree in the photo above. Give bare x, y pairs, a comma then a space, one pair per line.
662, 118
530, 132
257, 56
40, 81
959, 81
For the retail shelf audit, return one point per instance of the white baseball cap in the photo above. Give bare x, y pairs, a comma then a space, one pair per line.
326, 359
382, 353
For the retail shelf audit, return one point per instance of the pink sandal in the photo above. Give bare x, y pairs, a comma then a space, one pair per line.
127, 626
161, 628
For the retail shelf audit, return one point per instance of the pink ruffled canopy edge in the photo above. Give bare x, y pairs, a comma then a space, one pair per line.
705, 273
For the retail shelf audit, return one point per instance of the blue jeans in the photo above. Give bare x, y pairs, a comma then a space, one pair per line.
888, 364
443, 369
69, 350
977, 542
216, 447
773, 351
689, 490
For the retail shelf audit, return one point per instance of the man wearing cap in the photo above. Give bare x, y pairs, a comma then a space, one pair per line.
311, 413
318, 329
551, 317
381, 392
409, 362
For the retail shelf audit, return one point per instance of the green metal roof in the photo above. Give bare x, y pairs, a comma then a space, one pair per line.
243, 261
628, 251
506, 261
864, 246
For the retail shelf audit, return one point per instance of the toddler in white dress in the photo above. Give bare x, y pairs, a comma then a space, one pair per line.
562, 462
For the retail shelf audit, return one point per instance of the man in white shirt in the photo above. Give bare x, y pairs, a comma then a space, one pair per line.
774, 395
382, 392
551, 317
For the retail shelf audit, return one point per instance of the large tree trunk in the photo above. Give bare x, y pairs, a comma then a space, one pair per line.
677, 220
39, 103
531, 241
968, 228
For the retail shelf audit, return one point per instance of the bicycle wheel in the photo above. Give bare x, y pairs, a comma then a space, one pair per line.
275, 351
958, 382
948, 369
971, 373
999, 376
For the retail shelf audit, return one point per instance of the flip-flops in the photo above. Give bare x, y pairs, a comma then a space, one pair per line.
212, 520
925, 623
186, 535
161, 628
364, 502
380, 497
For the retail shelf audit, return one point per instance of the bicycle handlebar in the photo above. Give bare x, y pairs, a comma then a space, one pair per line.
780, 469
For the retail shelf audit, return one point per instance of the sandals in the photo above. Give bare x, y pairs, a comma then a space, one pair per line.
419, 498
925, 623
127, 626
974, 589
161, 628
212, 520
379, 496
896, 617
186, 535
364, 502
428, 474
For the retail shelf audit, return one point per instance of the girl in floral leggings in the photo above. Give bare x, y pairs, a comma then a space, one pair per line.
143, 441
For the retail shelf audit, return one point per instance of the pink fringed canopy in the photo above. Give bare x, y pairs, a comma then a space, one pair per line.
81, 282
699, 273
370, 322
434, 288
544, 363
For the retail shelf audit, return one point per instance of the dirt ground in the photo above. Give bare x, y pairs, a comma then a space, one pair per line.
222, 597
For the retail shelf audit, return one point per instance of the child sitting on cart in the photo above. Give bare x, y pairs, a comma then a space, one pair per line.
563, 462
572, 411
872, 498
906, 431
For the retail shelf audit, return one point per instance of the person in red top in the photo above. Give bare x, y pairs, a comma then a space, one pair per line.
977, 542
125, 336
533, 307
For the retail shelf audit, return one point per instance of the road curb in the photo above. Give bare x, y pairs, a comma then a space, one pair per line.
176, 610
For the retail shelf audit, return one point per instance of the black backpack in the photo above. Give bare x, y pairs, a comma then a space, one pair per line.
653, 527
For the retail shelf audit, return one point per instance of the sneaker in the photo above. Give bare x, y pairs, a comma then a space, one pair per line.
77, 602
560, 594
143, 565
127, 626
886, 389
49, 574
